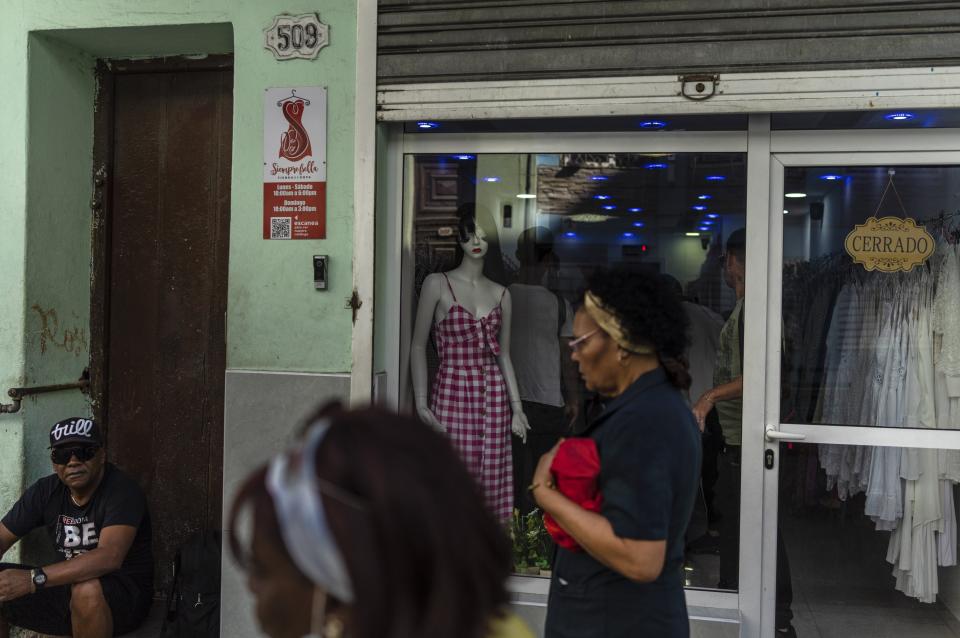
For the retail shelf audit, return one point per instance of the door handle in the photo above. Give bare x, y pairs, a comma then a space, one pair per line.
773, 434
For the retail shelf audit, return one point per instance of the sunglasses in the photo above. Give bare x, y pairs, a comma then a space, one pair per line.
62, 455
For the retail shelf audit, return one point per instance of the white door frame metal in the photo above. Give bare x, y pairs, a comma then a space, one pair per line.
704, 604
847, 151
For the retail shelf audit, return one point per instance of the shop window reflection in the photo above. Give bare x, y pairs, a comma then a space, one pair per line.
868, 347
549, 221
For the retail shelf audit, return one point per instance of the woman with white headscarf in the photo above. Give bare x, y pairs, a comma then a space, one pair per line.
372, 528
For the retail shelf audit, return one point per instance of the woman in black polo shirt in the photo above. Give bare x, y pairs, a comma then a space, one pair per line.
629, 337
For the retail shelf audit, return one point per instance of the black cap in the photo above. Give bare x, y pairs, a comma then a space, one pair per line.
75, 430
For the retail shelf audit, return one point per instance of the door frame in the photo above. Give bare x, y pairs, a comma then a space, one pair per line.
851, 148
397, 225
101, 206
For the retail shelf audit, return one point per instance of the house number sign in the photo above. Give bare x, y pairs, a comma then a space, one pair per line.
296, 37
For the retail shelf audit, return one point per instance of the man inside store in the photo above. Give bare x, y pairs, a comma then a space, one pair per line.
726, 397
97, 520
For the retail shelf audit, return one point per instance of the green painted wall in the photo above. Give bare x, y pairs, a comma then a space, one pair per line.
13, 45
276, 320
57, 304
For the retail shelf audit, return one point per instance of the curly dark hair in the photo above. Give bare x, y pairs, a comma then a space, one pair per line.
651, 312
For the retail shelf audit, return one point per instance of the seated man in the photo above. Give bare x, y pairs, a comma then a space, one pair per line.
98, 521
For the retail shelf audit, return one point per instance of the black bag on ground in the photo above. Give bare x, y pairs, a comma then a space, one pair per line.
193, 603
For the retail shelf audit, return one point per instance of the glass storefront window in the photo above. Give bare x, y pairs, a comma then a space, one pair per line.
852, 573
548, 221
871, 347
880, 119
651, 124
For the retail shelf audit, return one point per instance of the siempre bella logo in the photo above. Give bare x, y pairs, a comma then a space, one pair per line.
80, 427
295, 141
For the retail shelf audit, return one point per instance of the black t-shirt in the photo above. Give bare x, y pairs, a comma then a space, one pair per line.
76, 530
649, 447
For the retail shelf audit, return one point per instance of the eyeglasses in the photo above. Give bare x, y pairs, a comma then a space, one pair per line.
62, 455
575, 343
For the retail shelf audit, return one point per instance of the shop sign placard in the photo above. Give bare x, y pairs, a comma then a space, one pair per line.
293, 37
295, 163
889, 244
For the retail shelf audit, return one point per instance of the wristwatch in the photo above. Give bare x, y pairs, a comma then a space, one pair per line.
39, 578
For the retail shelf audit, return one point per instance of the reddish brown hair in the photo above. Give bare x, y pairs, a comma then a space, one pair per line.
426, 558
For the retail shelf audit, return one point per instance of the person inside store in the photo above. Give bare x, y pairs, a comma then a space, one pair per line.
371, 527
99, 525
546, 377
704, 337
726, 398
629, 337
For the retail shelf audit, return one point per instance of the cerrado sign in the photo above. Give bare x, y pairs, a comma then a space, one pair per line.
889, 244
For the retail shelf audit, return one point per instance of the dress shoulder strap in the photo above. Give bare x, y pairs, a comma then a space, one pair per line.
449, 286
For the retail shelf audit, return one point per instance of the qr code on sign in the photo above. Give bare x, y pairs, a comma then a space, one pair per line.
280, 228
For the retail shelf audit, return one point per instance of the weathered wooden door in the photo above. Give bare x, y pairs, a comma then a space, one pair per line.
160, 287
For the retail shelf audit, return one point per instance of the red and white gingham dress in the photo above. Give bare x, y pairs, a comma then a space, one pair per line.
470, 399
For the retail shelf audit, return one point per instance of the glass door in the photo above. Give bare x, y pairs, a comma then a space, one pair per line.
862, 396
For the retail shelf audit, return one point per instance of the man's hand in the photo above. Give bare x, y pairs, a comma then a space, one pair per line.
14, 584
701, 409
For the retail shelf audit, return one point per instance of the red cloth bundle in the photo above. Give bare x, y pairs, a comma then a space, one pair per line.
575, 468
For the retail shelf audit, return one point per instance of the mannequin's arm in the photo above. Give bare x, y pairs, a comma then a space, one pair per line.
429, 297
519, 425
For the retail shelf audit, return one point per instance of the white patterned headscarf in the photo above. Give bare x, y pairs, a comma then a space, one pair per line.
297, 496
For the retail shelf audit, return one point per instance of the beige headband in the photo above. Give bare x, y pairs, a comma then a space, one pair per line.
612, 325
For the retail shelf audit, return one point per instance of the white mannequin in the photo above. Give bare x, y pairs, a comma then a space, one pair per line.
477, 295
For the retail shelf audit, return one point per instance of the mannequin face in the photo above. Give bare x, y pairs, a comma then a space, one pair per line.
476, 245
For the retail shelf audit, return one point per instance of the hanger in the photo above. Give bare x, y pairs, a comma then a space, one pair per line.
293, 96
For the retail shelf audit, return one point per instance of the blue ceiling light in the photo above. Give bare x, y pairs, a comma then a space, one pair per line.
464, 157
704, 198
655, 166
715, 178
609, 207
599, 178
901, 116
831, 177
570, 234
638, 224
699, 207
601, 197
653, 125
491, 180
427, 125
707, 222
712, 215
628, 235
635, 209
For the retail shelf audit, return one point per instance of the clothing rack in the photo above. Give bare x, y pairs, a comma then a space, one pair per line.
939, 223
